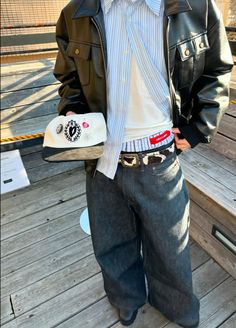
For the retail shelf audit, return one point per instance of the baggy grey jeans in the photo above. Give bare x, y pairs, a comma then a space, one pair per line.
140, 228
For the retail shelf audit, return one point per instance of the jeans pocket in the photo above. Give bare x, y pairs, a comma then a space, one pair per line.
167, 168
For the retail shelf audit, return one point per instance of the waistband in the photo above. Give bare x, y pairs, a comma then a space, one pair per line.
148, 143
147, 157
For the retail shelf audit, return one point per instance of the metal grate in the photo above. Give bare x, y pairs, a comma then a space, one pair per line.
28, 26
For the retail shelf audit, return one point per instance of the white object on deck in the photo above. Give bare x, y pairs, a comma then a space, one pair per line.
84, 222
13, 173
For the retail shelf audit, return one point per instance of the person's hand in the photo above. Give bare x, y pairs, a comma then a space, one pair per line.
181, 144
70, 113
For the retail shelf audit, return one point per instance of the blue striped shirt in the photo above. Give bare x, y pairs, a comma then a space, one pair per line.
133, 28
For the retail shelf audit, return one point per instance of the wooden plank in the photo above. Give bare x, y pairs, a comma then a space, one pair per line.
101, 314
224, 146
30, 150
6, 310
49, 169
215, 157
209, 205
219, 300
211, 169
25, 112
218, 193
206, 221
230, 323
38, 169
41, 249
210, 244
63, 306
50, 191
46, 266
25, 127
27, 66
48, 287
36, 160
19, 228
232, 110
29, 96
43, 231
53, 285
28, 80
198, 256
220, 315
146, 319
214, 275
227, 127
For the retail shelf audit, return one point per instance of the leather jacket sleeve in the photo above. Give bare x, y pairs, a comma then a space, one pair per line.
211, 90
70, 91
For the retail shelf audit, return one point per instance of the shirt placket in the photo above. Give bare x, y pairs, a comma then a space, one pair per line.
118, 99
148, 70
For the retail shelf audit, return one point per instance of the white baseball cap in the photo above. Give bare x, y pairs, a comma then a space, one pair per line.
74, 137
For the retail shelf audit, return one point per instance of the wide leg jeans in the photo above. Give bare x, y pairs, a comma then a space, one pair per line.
140, 228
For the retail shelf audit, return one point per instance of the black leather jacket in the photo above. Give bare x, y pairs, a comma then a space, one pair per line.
197, 53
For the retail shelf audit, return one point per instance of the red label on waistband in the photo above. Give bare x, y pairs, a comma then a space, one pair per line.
159, 138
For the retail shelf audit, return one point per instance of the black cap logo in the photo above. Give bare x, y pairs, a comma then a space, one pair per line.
72, 131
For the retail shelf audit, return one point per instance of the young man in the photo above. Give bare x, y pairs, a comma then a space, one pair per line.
159, 72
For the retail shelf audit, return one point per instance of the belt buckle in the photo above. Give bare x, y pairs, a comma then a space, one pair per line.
124, 162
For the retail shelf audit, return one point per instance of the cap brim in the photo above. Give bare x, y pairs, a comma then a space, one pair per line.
50, 154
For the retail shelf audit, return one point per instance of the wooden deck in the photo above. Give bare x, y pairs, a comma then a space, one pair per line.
50, 277
49, 274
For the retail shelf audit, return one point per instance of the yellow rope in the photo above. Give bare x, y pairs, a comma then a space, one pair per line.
28, 136
38, 135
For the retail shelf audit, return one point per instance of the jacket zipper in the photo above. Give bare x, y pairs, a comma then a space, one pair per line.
104, 61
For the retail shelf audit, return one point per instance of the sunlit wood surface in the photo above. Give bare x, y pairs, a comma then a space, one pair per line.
49, 274
50, 277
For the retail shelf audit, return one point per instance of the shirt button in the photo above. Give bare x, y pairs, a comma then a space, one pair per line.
77, 51
187, 52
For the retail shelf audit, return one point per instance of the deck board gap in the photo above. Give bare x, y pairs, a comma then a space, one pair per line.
202, 263
41, 258
227, 319
60, 293
46, 208
57, 271
45, 222
217, 285
39, 241
12, 307
226, 136
74, 314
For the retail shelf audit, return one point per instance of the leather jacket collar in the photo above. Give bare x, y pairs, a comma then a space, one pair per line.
87, 8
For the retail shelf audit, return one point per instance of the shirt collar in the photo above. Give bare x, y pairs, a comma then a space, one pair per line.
154, 5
